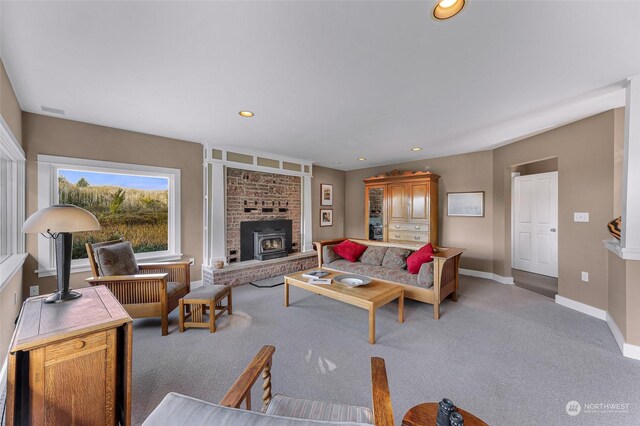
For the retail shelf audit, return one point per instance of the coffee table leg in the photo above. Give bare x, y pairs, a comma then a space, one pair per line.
286, 293
372, 325
401, 307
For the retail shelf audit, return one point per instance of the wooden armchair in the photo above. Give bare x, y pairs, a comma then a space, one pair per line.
155, 292
180, 409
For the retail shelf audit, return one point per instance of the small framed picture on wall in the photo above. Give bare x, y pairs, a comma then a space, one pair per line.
326, 217
326, 194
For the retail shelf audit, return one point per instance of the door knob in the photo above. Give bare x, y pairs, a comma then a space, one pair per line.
553, 229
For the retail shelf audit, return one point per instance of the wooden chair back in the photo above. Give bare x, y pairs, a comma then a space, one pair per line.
92, 255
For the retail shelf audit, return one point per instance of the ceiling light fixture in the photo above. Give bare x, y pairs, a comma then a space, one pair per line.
362, 159
446, 9
417, 148
246, 113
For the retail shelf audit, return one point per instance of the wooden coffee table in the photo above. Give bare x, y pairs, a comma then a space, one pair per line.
369, 297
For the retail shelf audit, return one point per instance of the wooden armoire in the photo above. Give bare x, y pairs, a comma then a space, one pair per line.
402, 207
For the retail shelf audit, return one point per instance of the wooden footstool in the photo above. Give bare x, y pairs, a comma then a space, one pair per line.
200, 300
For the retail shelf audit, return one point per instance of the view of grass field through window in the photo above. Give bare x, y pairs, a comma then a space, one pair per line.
132, 207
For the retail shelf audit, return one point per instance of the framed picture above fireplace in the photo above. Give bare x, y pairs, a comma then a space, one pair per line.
326, 217
326, 194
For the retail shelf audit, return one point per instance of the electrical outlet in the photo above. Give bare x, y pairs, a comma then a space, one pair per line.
34, 290
585, 276
581, 217
192, 260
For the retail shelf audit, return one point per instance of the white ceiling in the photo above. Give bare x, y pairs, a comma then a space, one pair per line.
328, 81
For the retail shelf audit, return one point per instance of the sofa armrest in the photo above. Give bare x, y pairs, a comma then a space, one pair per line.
320, 244
127, 278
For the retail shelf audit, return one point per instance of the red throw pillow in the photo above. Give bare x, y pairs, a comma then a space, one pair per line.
418, 257
349, 250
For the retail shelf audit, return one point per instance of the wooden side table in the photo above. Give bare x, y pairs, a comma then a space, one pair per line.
70, 363
425, 415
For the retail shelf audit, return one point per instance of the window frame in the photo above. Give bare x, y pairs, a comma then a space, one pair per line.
13, 152
48, 167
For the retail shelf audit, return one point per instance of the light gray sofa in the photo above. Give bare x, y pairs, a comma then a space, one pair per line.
435, 281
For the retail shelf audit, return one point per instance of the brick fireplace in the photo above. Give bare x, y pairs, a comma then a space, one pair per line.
258, 196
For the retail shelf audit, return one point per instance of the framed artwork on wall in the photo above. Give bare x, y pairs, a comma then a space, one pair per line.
326, 194
326, 217
470, 204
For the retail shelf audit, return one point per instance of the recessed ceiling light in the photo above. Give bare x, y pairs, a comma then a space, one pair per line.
362, 159
246, 113
417, 148
446, 9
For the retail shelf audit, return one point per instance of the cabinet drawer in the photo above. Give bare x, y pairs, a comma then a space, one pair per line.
408, 227
75, 346
422, 237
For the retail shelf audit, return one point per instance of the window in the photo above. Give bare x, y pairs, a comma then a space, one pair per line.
11, 204
140, 204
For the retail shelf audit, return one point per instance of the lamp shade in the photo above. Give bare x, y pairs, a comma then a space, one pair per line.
61, 218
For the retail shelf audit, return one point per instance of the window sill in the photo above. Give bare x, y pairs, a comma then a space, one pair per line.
624, 253
9, 267
84, 267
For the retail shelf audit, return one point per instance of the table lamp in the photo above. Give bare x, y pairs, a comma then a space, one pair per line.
58, 222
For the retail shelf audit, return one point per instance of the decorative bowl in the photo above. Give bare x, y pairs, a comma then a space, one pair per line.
352, 280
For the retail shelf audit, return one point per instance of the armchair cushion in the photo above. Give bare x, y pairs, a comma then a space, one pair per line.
176, 409
286, 406
116, 259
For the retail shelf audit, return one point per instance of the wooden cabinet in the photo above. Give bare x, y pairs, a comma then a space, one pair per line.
70, 363
406, 207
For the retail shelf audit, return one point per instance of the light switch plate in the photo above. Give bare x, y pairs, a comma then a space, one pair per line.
581, 217
585, 276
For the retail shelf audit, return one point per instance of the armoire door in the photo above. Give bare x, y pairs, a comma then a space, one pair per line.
419, 205
398, 202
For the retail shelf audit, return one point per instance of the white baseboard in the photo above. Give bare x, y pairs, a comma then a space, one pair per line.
581, 307
196, 284
628, 350
487, 275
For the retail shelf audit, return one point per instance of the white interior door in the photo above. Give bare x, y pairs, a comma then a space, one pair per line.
535, 233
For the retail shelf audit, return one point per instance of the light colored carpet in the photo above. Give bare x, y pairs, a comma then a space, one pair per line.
510, 356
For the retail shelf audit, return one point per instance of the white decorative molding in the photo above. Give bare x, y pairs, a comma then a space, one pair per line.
486, 275
630, 236
9, 267
581, 307
307, 225
3, 372
628, 350
624, 253
306, 167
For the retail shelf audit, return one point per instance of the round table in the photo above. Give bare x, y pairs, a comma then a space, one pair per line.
425, 415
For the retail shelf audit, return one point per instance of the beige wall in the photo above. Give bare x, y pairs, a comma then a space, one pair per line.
9, 106
585, 180
467, 172
624, 294
54, 136
337, 179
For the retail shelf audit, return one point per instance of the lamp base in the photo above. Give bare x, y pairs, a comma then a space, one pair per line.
59, 297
